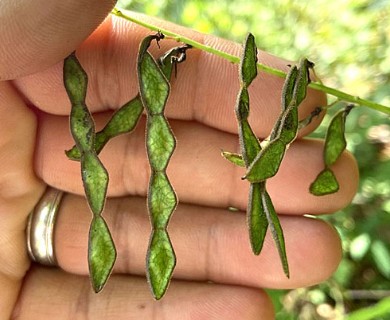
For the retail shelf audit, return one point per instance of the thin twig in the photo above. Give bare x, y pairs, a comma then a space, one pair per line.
234, 59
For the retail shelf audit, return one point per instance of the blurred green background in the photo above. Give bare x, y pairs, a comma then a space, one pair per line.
349, 41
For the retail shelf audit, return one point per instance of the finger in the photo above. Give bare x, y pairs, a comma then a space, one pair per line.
210, 244
205, 89
197, 171
19, 191
38, 34
53, 294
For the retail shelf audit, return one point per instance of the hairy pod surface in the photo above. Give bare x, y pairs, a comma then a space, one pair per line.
160, 143
126, 118
260, 211
267, 162
101, 248
154, 90
335, 144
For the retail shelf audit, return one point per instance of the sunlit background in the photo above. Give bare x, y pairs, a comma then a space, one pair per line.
349, 41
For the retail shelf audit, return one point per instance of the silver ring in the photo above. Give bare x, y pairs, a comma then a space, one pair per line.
40, 228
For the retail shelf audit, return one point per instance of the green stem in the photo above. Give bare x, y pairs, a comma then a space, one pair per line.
234, 59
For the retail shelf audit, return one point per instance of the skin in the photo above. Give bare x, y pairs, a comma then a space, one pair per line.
34, 134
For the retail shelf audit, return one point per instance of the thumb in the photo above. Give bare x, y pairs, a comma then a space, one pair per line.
36, 34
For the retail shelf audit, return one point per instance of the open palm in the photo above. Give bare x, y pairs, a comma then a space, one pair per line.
217, 276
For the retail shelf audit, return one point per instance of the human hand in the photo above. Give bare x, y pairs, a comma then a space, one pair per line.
211, 243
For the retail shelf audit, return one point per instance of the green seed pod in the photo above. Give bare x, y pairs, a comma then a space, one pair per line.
126, 118
161, 261
162, 199
160, 144
288, 123
288, 87
303, 80
153, 85
257, 219
260, 211
101, 249
95, 179
294, 92
276, 230
267, 162
250, 145
325, 183
248, 67
335, 142
287, 98
75, 79
242, 105
101, 253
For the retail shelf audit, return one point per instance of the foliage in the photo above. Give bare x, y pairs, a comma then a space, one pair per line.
351, 50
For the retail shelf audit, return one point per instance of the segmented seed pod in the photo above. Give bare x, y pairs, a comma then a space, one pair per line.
101, 249
335, 144
160, 144
260, 211
267, 162
126, 118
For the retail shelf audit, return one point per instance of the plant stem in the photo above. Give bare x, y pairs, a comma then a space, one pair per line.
234, 59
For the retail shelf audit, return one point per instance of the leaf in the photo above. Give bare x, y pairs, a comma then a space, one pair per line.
153, 85
325, 183
276, 230
160, 142
95, 179
335, 142
234, 158
162, 200
248, 67
101, 253
267, 162
257, 219
161, 261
